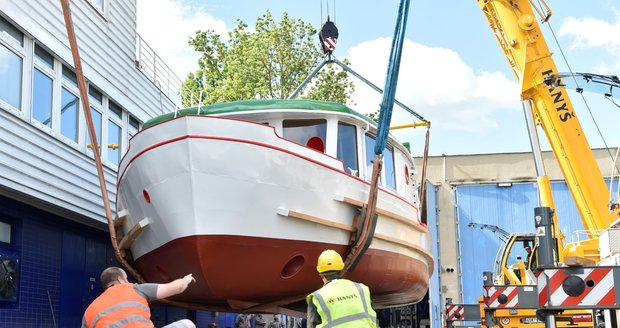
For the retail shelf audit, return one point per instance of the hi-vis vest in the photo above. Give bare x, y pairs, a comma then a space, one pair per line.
343, 303
119, 305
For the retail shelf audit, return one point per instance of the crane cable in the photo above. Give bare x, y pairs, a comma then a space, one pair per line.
368, 218
577, 84
598, 129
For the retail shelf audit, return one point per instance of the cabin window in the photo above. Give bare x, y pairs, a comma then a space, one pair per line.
369, 140
388, 167
310, 133
347, 147
388, 162
10, 77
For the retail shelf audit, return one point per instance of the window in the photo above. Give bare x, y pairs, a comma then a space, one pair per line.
42, 86
69, 105
11, 31
115, 119
347, 147
388, 162
96, 97
96, 115
99, 4
5, 233
42, 98
306, 132
369, 141
10, 77
11, 64
132, 129
388, 167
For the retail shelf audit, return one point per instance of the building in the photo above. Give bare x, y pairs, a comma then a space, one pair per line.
53, 232
494, 189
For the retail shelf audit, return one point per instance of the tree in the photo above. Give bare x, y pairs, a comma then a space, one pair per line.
269, 62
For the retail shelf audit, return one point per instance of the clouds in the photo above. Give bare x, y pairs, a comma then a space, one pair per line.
589, 33
436, 83
166, 25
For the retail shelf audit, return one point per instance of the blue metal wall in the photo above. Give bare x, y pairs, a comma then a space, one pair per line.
510, 208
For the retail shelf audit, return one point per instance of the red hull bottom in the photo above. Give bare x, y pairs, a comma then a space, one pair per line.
253, 274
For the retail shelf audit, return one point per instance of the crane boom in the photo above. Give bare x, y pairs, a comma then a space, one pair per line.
515, 26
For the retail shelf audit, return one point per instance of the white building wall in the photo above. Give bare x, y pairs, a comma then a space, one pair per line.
36, 162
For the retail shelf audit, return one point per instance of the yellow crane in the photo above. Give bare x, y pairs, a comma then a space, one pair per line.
515, 25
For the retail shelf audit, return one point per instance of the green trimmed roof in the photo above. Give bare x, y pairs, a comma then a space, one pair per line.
256, 105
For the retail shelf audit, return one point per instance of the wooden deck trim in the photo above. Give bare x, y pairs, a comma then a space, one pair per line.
131, 236
311, 218
383, 212
326, 222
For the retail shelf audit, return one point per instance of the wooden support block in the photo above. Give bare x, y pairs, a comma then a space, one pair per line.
131, 236
578, 261
120, 218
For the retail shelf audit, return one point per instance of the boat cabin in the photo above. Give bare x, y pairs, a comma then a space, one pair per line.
330, 128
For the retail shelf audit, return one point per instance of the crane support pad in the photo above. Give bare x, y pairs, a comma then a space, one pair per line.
579, 287
511, 297
462, 312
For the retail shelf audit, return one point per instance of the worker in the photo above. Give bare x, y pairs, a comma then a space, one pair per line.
276, 323
242, 321
340, 302
259, 321
125, 303
530, 261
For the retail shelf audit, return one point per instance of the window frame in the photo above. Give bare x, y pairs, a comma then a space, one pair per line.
120, 122
357, 150
52, 74
20, 50
64, 82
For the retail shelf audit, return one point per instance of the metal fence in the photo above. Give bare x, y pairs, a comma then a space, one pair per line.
154, 68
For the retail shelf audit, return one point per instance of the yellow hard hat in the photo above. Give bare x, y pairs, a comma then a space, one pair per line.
329, 260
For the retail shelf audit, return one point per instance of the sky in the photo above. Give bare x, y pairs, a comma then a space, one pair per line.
452, 71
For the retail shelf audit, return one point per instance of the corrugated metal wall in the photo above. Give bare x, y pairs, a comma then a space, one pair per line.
433, 226
510, 208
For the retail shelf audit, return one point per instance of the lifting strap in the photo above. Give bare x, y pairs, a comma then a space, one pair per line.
368, 218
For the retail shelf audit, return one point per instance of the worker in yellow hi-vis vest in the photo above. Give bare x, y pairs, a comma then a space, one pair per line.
340, 303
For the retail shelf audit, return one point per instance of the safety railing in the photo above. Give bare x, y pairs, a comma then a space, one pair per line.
157, 71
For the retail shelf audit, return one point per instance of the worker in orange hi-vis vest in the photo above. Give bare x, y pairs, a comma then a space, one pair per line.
123, 303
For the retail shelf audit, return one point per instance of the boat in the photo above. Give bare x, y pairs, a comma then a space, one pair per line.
246, 195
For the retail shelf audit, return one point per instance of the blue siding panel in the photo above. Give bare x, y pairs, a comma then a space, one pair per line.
510, 208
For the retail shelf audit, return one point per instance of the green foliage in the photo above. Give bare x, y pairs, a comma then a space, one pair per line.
375, 115
269, 62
